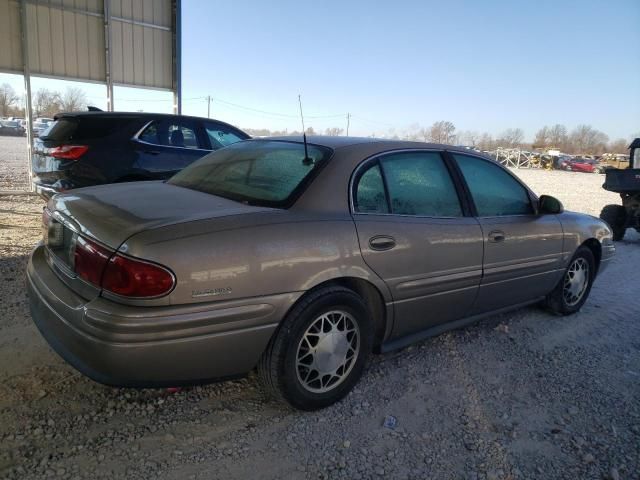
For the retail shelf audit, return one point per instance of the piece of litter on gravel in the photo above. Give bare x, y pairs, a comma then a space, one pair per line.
174, 389
390, 422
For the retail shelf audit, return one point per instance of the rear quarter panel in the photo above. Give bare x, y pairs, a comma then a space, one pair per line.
254, 255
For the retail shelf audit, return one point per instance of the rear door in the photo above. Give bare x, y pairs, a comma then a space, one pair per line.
522, 250
414, 234
167, 145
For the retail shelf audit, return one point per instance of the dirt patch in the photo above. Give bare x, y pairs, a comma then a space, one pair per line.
521, 395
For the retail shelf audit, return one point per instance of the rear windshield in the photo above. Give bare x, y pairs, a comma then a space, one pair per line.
68, 129
265, 173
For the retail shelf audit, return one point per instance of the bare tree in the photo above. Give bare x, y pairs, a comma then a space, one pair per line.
72, 100
541, 139
469, 137
586, 139
486, 142
511, 138
442, 132
618, 146
558, 136
46, 103
8, 98
334, 131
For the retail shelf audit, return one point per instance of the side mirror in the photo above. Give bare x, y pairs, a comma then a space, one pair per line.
549, 205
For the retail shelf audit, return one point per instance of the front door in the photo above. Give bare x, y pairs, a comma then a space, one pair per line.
413, 233
522, 250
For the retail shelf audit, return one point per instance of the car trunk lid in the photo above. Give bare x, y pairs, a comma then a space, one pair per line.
113, 213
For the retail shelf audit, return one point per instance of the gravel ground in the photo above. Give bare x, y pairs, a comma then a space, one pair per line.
521, 395
14, 169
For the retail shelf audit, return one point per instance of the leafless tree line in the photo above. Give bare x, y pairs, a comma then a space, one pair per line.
583, 139
45, 102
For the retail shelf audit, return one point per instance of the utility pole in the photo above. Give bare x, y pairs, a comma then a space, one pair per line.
348, 120
208, 106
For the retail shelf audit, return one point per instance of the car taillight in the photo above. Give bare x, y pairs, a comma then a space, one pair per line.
89, 260
129, 277
68, 152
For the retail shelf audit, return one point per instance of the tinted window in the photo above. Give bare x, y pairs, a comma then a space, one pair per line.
370, 196
221, 135
84, 128
170, 133
259, 172
494, 191
419, 184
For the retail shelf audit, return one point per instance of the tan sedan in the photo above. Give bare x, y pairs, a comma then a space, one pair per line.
298, 260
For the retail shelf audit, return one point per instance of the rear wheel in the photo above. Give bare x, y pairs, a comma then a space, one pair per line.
597, 170
574, 287
616, 217
319, 351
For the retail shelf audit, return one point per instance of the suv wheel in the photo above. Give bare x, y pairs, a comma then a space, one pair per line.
319, 351
574, 286
615, 216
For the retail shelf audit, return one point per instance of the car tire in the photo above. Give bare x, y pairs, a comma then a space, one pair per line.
574, 286
597, 170
616, 218
293, 370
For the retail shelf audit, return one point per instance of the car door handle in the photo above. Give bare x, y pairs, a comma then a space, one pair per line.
496, 236
151, 152
382, 242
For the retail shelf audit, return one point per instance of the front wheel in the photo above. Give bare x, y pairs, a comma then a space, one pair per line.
319, 351
574, 287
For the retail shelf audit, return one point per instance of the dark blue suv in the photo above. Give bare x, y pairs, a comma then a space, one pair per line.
91, 148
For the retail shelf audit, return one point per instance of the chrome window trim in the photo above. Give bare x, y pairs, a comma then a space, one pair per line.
136, 138
356, 173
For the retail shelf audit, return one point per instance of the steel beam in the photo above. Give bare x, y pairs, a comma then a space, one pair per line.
28, 112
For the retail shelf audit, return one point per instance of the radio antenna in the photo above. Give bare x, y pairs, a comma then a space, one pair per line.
306, 160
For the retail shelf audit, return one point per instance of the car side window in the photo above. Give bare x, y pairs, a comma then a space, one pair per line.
494, 191
419, 183
170, 133
220, 135
370, 196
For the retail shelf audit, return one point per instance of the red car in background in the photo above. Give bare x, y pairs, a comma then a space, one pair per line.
582, 165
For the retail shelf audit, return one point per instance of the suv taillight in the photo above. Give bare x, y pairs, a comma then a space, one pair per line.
68, 152
115, 273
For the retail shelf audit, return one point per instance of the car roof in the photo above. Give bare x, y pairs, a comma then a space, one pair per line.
148, 115
335, 142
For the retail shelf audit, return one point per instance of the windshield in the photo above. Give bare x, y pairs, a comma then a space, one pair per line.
265, 173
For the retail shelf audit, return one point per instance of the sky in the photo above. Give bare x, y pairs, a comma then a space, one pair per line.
485, 66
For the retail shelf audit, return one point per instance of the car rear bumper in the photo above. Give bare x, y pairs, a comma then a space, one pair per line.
132, 346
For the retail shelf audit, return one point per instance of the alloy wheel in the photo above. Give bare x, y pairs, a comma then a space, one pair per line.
576, 281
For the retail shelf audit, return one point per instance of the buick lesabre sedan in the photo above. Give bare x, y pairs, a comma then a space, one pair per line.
300, 261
